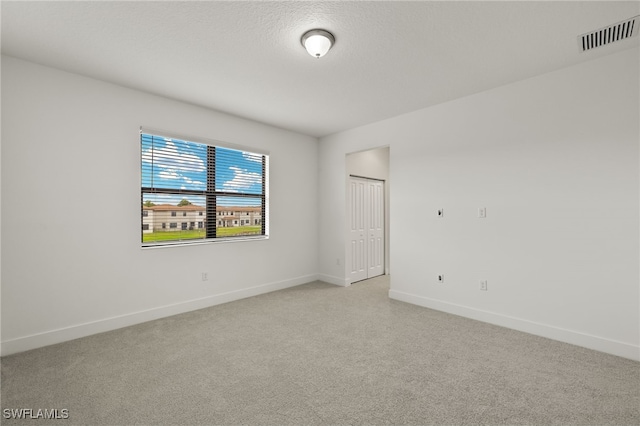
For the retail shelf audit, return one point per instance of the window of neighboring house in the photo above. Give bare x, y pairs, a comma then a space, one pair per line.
212, 179
145, 213
145, 227
164, 225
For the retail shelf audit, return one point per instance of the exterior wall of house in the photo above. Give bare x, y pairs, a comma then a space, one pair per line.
175, 218
238, 216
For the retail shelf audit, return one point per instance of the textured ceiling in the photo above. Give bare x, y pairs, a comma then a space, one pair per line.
245, 58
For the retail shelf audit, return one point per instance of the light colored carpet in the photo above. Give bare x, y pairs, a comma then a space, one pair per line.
321, 354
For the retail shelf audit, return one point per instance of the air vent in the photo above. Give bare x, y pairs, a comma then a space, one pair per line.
610, 34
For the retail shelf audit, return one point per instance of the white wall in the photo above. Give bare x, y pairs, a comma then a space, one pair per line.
71, 258
374, 164
554, 159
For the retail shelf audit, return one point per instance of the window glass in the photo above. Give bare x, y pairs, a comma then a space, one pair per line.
195, 180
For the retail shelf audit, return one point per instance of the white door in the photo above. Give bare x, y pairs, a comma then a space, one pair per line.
357, 229
366, 228
375, 228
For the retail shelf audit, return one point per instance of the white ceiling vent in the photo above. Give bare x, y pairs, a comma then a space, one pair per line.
610, 34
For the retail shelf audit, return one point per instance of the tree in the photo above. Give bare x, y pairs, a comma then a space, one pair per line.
184, 202
148, 204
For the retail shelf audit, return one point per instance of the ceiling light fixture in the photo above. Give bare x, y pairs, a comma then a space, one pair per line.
317, 42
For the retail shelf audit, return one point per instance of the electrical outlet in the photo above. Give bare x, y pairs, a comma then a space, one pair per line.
440, 212
482, 212
483, 285
440, 278
205, 276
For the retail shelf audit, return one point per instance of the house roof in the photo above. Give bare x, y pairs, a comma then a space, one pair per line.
238, 208
167, 207
194, 207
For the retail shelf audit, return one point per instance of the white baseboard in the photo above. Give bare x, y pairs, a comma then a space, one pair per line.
342, 282
51, 337
613, 347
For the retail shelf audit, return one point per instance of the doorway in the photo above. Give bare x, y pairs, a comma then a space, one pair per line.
366, 228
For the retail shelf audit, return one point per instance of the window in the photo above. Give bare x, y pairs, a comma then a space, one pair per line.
145, 213
164, 225
203, 180
145, 227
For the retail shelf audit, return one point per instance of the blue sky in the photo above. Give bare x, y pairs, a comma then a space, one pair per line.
179, 164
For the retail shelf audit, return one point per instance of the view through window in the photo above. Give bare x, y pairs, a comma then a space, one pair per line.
193, 191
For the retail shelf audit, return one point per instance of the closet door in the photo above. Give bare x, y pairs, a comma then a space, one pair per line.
374, 219
366, 228
357, 230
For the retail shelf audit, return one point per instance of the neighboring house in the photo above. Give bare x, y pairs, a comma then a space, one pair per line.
238, 216
167, 217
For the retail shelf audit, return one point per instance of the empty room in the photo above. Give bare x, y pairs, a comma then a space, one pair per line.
320, 212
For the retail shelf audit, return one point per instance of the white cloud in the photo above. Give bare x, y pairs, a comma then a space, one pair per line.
252, 157
168, 174
169, 157
192, 182
242, 179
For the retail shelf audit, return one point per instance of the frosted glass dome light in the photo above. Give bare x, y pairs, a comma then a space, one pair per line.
318, 42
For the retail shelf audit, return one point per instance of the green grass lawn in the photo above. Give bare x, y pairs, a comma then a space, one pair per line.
173, 235
200, 233
239, 230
